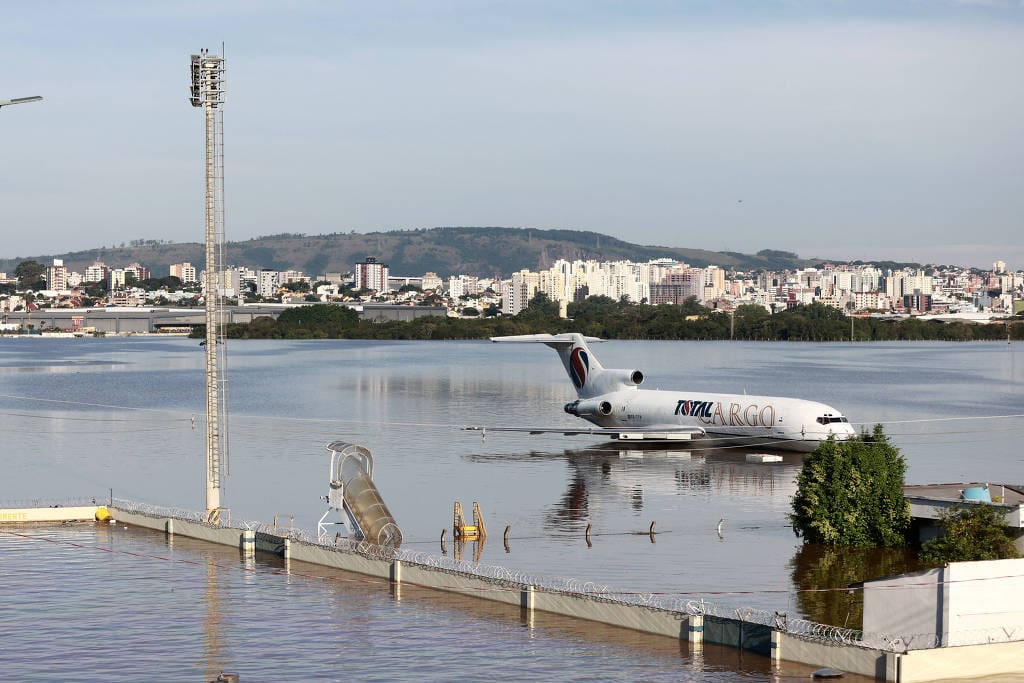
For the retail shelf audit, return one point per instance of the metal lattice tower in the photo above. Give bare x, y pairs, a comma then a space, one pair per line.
208, 92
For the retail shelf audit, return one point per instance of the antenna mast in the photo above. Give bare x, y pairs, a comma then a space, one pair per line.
208, 92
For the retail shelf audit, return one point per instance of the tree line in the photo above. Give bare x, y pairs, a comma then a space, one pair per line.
602, 316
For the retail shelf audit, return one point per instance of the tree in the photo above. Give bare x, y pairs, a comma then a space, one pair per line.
540, 306
318, 315
96, 290
300, 286
171, 283
470, 311
30, 274
850, 493
970, 532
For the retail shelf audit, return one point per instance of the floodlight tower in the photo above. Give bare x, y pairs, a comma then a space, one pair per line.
208, 92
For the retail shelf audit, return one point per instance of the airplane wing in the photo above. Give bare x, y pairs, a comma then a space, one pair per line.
669, 433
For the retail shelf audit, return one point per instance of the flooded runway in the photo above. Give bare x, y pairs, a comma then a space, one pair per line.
86, 416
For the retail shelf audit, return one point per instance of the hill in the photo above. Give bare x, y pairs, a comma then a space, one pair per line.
487, 251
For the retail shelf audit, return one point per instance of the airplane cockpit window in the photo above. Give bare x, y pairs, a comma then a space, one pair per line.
828, 419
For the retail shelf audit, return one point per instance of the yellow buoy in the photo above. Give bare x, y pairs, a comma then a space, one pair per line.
103, 514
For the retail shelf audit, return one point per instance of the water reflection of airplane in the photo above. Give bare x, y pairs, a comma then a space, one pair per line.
612, 400
609, 473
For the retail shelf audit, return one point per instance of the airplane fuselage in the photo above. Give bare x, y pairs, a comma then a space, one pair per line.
612, 400
789, 423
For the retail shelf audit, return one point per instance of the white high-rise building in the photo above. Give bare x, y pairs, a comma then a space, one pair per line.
523, 287
57, 276
267, 283
185, 272
116, 279
97, 272
372, 275
714, 282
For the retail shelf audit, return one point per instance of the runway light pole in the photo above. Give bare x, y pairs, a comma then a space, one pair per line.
207, 92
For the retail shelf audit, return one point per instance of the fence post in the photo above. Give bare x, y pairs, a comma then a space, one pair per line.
396, 571
526, 599
696, 629
248, 541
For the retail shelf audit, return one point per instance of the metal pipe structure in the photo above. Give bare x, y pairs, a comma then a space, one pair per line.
208, 92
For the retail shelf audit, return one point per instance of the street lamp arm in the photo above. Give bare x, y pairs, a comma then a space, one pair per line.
20, 100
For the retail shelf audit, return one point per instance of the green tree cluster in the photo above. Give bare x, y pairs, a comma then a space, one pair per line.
601, 316
850, 493
970, 532
30, 275
171, 283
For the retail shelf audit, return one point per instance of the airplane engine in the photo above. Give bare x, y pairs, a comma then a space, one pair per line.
589, 408
629, 378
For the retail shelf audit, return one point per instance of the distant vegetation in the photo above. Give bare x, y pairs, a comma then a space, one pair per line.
604, 317
483, 251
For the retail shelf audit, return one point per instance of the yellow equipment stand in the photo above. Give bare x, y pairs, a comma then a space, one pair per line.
469, 532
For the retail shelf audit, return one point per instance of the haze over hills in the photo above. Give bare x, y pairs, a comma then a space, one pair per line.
485, 251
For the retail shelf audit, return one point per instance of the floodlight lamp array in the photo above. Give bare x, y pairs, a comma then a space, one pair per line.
207, 73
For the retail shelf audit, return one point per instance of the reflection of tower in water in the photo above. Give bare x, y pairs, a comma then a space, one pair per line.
214, 661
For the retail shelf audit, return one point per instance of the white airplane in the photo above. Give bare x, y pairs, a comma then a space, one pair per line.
612, 400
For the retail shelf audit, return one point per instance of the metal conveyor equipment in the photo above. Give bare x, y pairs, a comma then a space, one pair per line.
352, 491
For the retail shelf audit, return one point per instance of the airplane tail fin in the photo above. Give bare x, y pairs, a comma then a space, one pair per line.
584, 369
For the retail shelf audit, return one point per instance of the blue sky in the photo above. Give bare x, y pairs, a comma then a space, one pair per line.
834, 129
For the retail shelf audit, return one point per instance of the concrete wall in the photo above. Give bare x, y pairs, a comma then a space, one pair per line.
849, 658
340, 559
56, 514
924, 665
983, 596
990, 661
905, 605
960, 602
645, 619
203, 532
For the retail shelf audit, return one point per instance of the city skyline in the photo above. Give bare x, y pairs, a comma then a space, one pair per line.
657, 281
834, 130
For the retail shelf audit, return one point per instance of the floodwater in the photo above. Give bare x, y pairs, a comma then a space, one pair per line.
98, 602
84, 416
